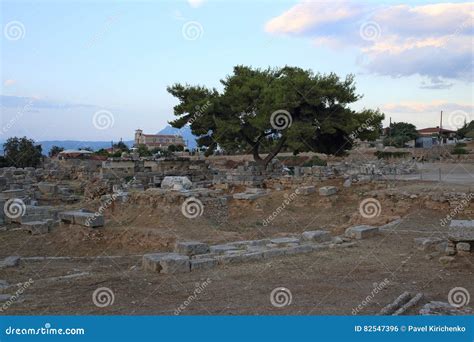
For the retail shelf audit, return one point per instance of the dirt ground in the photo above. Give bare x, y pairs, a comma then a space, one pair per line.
333, 281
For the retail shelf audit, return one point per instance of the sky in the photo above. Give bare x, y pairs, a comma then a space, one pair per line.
98, 70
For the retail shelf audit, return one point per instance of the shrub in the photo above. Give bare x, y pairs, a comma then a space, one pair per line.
388, 155
459, 150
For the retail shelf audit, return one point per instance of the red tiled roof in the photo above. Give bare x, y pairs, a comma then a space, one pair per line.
435, 130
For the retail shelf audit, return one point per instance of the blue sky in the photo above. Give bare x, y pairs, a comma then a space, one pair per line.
63, 62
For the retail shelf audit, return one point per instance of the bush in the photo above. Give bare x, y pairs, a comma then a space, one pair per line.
459, 150
315, 161
460, 145
388, 155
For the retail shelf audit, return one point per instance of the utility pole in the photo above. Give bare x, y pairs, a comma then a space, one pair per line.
441, 127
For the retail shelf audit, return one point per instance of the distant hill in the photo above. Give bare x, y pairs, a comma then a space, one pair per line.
185, 132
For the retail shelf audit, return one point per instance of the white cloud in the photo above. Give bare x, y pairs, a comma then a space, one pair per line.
195, 3
430, 40
8, 83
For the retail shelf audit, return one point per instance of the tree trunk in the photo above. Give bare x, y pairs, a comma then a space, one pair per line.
264, 162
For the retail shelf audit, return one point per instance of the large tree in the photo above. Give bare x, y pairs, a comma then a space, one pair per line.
270, 110
22, 152
401, 133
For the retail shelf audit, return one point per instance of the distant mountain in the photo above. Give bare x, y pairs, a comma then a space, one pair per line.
185, 132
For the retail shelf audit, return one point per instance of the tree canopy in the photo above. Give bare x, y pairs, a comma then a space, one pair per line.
22, 152
273, 110
400, 134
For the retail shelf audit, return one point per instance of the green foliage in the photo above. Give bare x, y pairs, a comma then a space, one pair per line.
55, 150
121, 146
459, 150
388, 155
238, 119
315, 161
460, 144
466, 131
400, 134
143, 151
22, 152
102, 152
172, 148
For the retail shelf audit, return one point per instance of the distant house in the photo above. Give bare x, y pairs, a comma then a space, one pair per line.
75, 154
157, 140
438, 135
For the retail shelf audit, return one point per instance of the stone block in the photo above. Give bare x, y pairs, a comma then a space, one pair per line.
248, 243
191, 248
203, 264
316, 235
306, 190
284, 241
429, 244
221, 249
176, 183
361, 232
327, 190
299, 249
461, 230
11, 261
166, 263
273, 253
47, 188
36, 227
463, 247
82, 218
247, 196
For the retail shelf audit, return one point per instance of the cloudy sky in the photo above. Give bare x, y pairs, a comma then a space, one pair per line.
98, 70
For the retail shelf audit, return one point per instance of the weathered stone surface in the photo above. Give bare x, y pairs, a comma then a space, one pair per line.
11, 261
176, 183
166, 263
220, 249
347, 183
463, 247
191, 248
425, 244
444, 309
461, 230
327, 190
306, 190
247, 243
36, 227
82, 218
248, 196
203, 264
47, 188
284, 241
299, 249
274, 252
361, 232
316, 235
